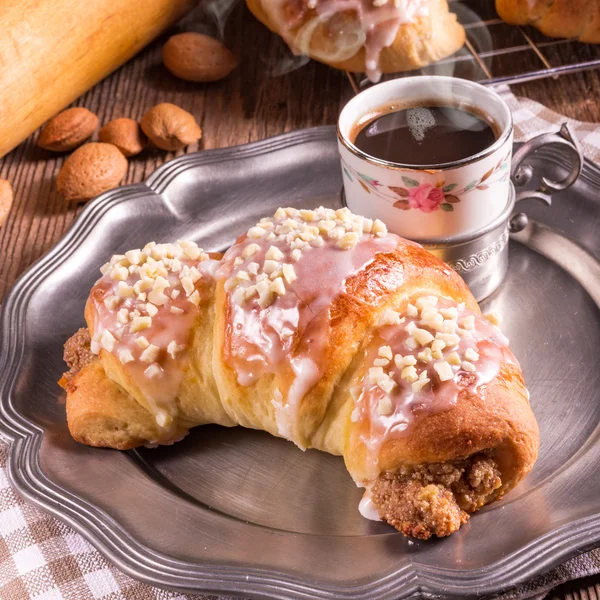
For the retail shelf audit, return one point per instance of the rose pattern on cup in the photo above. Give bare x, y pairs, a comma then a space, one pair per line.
425, 196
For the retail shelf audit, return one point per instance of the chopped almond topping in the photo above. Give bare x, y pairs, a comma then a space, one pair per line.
389, 317
111, 302
119, 273
125, 356
422, 336
150, 354
124, 290
386, 383
469, 367
107, 340
385, 352
425, 355
468, 323
418, 385
274, 253
385, 406
412, 311
142, 342
409, 374
250, 250
154, 371
277, 287
444, 370
194, 298
289, 273
175, 349
454, 358
188, 285
493, 317
140, 323
375, 373
471, 355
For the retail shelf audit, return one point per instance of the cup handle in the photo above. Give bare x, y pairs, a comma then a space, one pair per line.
522, 172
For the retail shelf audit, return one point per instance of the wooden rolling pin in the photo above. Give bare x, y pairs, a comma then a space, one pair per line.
52, 51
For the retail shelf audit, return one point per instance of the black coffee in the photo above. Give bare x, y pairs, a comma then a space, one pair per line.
426, 135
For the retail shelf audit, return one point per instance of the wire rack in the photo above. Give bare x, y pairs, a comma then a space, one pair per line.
496, 53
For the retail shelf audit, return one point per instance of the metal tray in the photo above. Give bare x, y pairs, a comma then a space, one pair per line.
236, 511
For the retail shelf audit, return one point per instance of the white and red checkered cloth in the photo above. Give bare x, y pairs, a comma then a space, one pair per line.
42, 559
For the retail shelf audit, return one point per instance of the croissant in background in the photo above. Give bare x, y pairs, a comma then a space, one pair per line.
579, 19
320, 327
372, 36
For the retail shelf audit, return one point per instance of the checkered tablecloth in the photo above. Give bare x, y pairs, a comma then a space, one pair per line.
532, 118
42, 559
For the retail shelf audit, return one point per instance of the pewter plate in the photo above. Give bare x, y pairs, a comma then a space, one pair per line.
238, 512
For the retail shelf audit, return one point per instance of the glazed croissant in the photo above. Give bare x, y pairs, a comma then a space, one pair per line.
322, 328
578, 19
372, 36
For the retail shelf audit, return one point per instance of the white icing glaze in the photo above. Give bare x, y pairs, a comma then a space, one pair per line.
290, 334
391, 414
367, 508
157, 373
351, 24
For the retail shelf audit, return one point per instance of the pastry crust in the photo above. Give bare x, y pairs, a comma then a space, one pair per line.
341, 302
579, 19
420, 41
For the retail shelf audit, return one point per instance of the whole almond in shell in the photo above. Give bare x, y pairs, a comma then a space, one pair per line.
90, 170
170, 127
68, 129
197, 57
6, 200
125, 134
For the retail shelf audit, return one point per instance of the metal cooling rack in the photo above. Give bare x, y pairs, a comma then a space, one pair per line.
497, 53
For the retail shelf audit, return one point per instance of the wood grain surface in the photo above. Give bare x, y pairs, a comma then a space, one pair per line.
270, 92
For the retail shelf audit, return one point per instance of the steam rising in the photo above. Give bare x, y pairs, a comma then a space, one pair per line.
287, 63
219, 11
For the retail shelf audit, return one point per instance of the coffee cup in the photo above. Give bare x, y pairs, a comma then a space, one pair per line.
427, 201
461, 210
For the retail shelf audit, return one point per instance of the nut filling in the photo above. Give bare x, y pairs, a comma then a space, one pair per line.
77, 353
436, 498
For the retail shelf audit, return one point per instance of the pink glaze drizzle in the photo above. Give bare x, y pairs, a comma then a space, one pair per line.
166, 328
376, 27
486, 339
292, 332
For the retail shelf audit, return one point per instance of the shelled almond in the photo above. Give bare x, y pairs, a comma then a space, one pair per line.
197, 57
92, 169
68, 129
169, 127
125, 134
96, 167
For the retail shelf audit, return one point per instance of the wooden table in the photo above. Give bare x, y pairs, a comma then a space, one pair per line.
260, 99
255, 102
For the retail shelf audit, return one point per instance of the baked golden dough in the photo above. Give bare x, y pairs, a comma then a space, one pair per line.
322, 328
579, 19
408, 34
